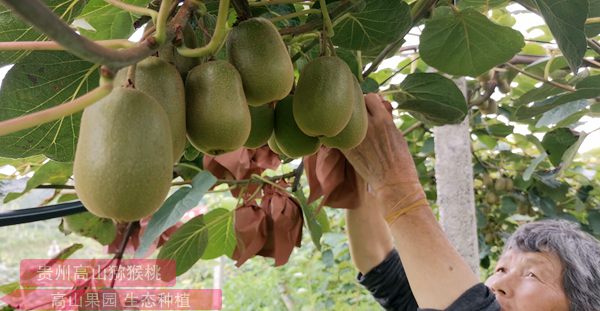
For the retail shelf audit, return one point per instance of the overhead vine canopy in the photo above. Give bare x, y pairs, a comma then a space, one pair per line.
65, 54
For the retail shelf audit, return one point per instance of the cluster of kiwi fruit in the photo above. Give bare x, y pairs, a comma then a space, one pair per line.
494, 187
130, 139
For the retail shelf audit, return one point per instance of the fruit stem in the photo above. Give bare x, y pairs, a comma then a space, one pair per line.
264, 180
54, 46
327, 25
541, 79
548, 66
161, 21
217, 38
130, 81
295, 14
273, 2
133, 8
420, 9
56, 112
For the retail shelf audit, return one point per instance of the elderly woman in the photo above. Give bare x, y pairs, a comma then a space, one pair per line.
549, 265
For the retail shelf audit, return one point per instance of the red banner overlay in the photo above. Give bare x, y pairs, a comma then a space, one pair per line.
97, 273
115, 299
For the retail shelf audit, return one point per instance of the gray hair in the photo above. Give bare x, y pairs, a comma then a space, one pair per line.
578, 251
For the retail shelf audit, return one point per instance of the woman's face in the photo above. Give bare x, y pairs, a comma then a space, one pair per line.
529, 281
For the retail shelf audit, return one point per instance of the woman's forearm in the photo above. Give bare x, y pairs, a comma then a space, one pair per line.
370, 238
437, 274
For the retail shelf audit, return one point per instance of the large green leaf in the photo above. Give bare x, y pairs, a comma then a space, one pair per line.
571, 152
587, 89
52, 172
467, 43
434, 97
186, 245
380, 23
536, 94
566, 20
183, 200
109, 22
13, 29
40, 81
557, 142
562, 112
221, 234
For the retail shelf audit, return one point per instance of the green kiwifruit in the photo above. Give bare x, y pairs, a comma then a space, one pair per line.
161, 80
324, 97
274, 146
218, 118
356, 129
289, 138
256, 49
261, 127
490, 106
124, 157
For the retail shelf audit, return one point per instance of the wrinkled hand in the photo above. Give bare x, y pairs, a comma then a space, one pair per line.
383, 158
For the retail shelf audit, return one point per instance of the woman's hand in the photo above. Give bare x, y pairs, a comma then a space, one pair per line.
383, 159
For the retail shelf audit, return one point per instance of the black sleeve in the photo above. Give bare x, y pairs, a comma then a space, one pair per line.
476, 298
388, 284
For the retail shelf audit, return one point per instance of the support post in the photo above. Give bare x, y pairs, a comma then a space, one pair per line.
455, 193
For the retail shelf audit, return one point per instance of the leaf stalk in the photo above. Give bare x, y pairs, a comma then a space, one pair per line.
56, 112
218, 36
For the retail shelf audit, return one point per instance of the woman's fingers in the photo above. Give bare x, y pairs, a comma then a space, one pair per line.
376, 106
370, 101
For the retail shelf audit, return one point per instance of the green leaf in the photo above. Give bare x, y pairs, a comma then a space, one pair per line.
545, 204
587, 88
13, 29
186, 245
380, 23
433, 96
467, 43
566, 20
571, 152
369, 85
562, 112
108, 22
9, 288
56, 173
40, 81
89, 225
531, 168
594, 221
67, 197
350, 59
500, 130
537, 94
310, 218
592, 30
508, 205
557, 142
221, 233
180, 202
67, 252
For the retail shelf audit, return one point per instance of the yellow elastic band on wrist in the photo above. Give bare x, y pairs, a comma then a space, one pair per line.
394, 215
